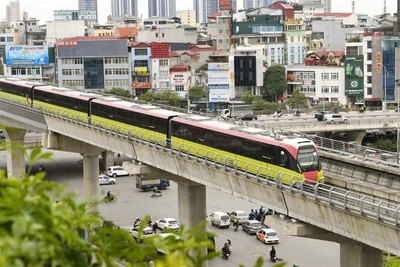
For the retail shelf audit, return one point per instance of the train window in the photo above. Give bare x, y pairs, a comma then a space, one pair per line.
308, 158
283, 160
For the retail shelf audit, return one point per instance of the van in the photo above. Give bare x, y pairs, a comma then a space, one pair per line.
335, 118
115, 171
220, 219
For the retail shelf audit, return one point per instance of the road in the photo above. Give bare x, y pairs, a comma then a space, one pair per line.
66, 168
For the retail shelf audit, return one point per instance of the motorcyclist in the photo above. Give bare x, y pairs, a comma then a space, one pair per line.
137, 222
41, 168
227, 249
272, 254
235, 225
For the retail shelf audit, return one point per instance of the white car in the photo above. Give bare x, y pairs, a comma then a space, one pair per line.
335, 118
167, 223
268, 236
115, 171
147, 232
104, 179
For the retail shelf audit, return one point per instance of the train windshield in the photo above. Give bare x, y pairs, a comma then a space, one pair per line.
308, 158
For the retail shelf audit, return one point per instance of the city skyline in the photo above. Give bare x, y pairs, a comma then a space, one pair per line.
43, 10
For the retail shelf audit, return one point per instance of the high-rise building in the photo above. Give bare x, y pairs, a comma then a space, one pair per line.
124, 8
327, 4
13, 12
200, 6
162, 8
89, 5
205, 8
257, 3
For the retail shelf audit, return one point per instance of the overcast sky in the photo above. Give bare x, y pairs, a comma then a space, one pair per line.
43, 10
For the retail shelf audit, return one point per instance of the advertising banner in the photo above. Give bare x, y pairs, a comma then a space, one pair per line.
27, 55
354, 81
218, 82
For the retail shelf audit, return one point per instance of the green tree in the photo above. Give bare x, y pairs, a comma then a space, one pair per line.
248, 98
197, 93
169, 97
385, 144
297, 100
41, 225
120, 92
274, 82
148, 97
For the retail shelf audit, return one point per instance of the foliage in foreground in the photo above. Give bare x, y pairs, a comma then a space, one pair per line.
41, 225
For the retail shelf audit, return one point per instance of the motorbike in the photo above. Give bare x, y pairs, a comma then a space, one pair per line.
227, 249
156, 194
277, 114
296, 113
110, 198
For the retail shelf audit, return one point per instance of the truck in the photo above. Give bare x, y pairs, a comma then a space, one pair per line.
145, 183
235, 111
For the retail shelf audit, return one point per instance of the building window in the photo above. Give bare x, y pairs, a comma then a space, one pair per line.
335, 89
325, 89
369, 91
140, 52
179, 88
334, 76
163, 62
369, 44
324, 76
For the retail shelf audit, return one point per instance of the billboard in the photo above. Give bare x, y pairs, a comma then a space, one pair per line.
354, 77
218, 82
27, 55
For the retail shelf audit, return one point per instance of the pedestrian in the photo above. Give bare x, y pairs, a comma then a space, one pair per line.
154, 227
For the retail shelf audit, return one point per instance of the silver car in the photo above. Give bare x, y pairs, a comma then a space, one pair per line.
104, 179
252, 226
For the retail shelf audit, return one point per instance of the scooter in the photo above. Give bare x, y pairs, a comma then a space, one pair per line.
225, 252
156, 194
277, 114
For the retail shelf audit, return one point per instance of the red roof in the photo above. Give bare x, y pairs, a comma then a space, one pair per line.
127, 32
180, 68
93, 38
173, 54
138, 44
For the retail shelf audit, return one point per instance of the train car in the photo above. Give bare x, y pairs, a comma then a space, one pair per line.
296, 157
250, 149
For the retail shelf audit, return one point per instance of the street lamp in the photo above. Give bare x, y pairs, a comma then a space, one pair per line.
384, 105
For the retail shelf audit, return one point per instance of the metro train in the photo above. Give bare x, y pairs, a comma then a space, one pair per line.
246, 148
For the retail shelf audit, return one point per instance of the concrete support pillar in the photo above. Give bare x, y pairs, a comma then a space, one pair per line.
192, 203
359, 255
356, 136
108, 159
91, 175
15, 157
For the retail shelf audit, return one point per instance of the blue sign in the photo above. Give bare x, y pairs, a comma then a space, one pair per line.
27, 55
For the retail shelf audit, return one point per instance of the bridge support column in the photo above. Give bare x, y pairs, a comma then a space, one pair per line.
356, 136
91, 175
359, 255
108, 159
15, 156
192, 203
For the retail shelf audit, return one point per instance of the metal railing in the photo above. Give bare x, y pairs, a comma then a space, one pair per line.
353, 150
351, 201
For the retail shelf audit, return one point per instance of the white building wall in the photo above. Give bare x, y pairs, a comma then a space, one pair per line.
63, 29
167, 36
